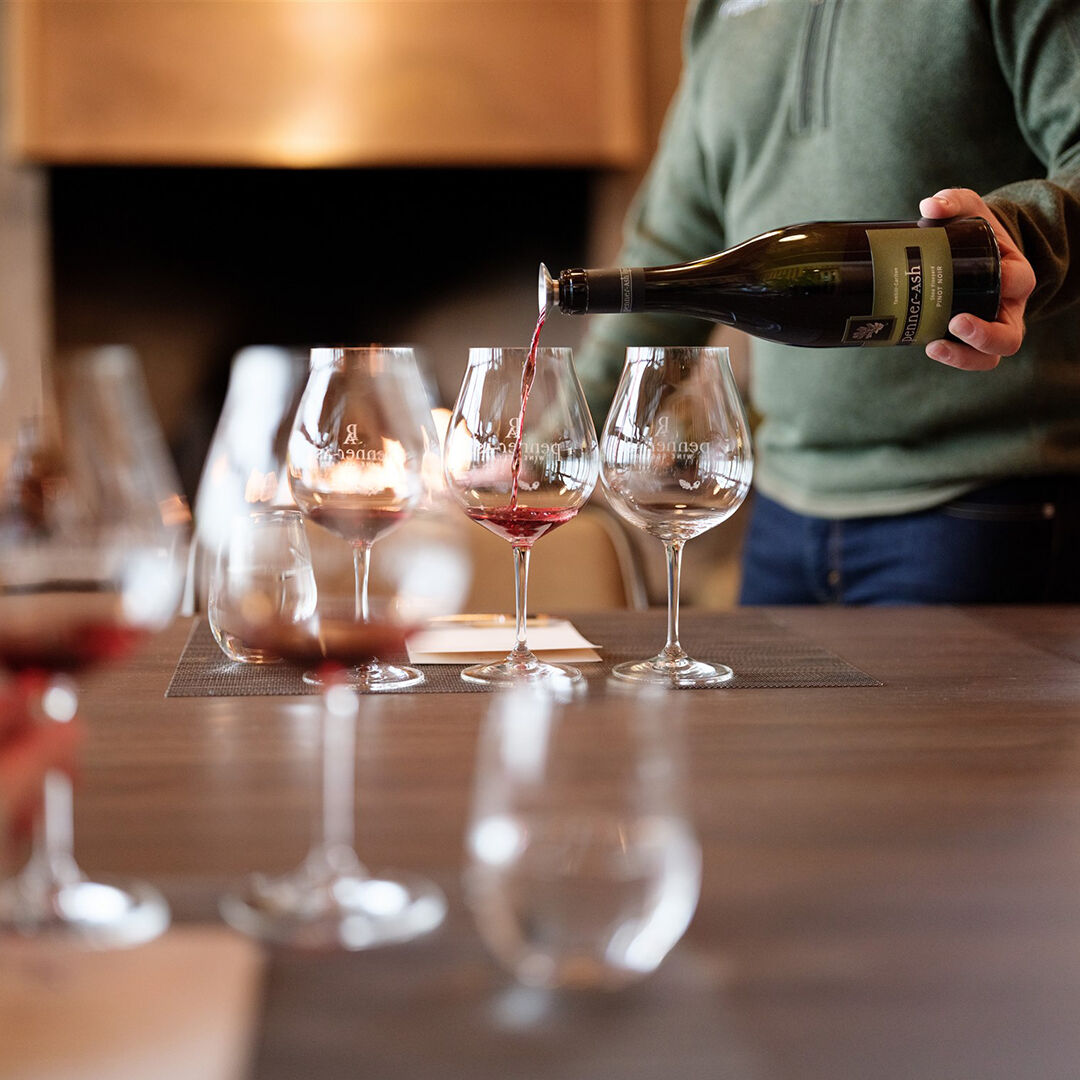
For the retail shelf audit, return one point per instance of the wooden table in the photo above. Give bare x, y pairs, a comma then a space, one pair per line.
892, 873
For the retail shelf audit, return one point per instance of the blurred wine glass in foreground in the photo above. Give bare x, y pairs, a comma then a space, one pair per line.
521, 459
93, 533
332, 900
676, 461
583, 867
356, 459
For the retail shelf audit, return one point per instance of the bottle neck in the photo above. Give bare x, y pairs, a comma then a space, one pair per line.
618, 290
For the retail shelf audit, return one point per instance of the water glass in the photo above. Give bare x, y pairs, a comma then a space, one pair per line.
263, 571
583, 867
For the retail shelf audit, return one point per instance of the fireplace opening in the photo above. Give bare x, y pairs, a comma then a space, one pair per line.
190, 265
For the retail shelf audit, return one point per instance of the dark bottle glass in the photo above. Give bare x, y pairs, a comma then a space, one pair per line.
819, 284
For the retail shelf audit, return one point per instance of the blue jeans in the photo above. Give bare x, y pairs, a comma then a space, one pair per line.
1013, 542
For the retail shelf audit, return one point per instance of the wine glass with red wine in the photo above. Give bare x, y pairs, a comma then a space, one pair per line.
356, 464
676, 461
331, 900
521, 459
93, 533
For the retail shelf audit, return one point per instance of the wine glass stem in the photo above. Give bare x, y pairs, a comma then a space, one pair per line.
521, 598
361, 572
673, 650
52, 861
338, 769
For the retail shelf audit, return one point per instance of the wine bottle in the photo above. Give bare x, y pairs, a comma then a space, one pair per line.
820, 284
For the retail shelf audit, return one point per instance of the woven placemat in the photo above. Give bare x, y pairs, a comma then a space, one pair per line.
762, 653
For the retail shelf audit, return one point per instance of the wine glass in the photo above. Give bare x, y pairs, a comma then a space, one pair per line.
92, 555
331, 900
676, 461
263, 569
583, 868
356, 460
521, 459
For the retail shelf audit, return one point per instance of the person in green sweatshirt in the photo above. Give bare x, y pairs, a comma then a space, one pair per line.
892, 475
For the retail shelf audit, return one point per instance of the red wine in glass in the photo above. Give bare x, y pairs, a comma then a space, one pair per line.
522, 524
357, 524
60, 627
520, 471
91, 562
356, 453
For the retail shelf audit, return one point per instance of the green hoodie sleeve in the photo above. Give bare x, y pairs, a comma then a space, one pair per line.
674, 218
1038, 46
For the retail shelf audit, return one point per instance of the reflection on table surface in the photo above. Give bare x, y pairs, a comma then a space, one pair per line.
891, 873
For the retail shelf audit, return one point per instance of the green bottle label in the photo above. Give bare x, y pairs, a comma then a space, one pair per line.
912, 288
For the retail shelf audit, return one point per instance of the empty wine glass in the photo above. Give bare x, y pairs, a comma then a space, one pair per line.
583, 868
521, 459
676, 461
356, 460
263, 570
92, 558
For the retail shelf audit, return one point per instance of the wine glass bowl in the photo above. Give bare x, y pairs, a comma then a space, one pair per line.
356, 458
583, 867
675, 462
92, 559
521, 459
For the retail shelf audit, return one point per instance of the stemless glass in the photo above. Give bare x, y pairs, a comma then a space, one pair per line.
676, 461
583, 868
92, 558
263, 570
356, 460
521, 459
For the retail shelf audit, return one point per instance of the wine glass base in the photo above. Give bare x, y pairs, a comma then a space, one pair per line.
369, 678
346, 911
663, 671
510, 673
98, 914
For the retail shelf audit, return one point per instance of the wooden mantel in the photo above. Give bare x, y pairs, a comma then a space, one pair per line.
331, 82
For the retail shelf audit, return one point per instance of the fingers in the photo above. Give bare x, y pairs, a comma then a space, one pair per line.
1017, 277
936, 206
954, 202
1003, 336
982, 344
963, 202
957, 355
958, 202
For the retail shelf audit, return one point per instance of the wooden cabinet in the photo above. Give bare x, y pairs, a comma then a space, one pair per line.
335, 82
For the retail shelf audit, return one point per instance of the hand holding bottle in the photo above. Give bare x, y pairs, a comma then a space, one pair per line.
817, 284
982, 344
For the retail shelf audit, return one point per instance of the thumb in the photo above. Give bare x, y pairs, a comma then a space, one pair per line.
954, 202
